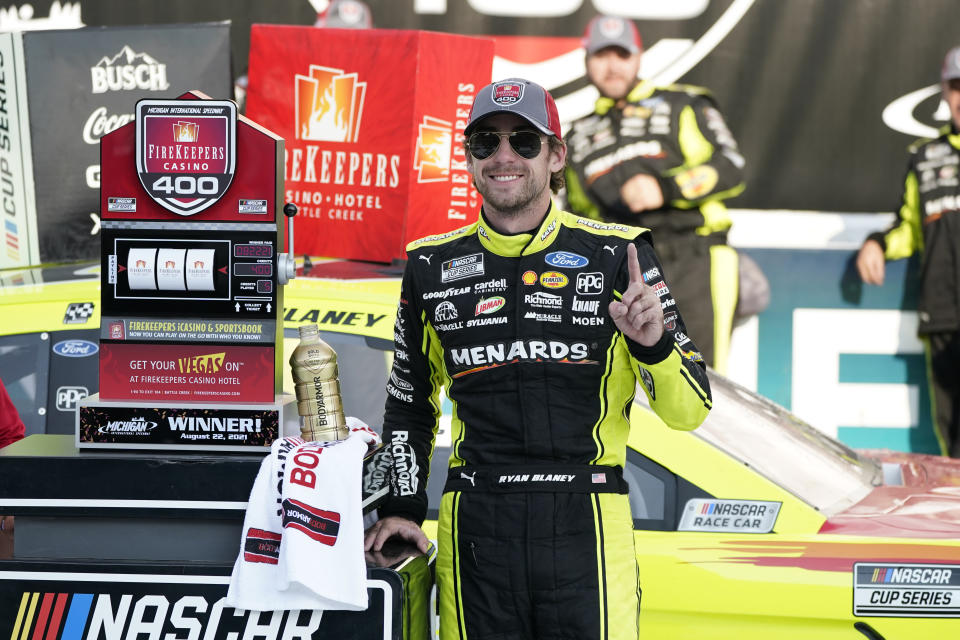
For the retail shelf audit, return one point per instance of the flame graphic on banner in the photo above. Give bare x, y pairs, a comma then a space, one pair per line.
329, 105
434, 144
186, 132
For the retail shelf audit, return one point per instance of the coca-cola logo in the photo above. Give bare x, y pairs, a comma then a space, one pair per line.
100, 123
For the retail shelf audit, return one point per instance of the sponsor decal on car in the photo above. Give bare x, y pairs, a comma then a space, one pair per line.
78, 312
68, 397
729, 516
75, 348
906, 590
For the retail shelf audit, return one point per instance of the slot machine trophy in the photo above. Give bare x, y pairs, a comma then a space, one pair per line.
191, 343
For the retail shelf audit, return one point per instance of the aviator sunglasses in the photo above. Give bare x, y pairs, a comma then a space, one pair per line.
484, 144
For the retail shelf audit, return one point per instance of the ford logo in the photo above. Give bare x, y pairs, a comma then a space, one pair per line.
75, 348
566, 259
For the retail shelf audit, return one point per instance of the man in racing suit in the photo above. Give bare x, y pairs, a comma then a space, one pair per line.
539, 324
929, 222
662, 158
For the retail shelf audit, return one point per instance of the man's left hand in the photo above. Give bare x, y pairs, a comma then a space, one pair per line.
641, 193
638, 314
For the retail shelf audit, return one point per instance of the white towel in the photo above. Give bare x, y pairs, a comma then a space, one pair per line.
302, 541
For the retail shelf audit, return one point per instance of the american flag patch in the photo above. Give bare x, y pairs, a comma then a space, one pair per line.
599, 478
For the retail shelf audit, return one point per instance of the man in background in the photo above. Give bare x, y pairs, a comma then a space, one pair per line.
927, 223
664, 159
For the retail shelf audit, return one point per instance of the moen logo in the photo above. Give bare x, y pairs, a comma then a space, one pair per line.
128, 71
432, 155
211, 363
328, 105
201, 615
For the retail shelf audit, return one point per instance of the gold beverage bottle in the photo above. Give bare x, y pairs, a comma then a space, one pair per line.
314, 365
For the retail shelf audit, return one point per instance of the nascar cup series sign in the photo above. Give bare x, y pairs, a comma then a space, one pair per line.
186, 151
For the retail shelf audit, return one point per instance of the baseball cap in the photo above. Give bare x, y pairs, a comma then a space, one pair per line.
526, 99
951, 65
345, 14
611, 31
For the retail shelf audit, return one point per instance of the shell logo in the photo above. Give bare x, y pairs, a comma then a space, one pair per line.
554, 280
529, 277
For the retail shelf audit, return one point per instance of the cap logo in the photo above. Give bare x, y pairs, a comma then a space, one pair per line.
611, 28
350, 12
507, 93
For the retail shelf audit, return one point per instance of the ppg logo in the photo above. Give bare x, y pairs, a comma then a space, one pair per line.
590, 284
68, 397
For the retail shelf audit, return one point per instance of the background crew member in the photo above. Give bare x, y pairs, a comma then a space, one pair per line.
539, 324
662, 158
927, 222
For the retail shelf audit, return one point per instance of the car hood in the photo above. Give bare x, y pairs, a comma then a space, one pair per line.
925, 505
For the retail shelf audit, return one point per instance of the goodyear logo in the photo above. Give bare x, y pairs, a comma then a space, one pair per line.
211, 363
554, 280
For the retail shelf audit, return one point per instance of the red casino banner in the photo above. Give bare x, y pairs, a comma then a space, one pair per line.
374, 151
186, 373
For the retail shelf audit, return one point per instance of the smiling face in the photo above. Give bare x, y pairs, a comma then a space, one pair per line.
613, 70
510, 184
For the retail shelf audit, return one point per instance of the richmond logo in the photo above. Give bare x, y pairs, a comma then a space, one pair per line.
434, 144
328, 105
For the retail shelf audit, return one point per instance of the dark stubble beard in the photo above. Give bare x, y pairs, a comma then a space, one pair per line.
510, 206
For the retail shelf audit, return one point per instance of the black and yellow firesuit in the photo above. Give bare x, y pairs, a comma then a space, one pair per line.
677, 135
535, 532
929, 222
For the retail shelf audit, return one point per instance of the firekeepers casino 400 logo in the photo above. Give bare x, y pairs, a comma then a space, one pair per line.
186, 151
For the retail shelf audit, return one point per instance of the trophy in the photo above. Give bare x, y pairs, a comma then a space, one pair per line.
314, 365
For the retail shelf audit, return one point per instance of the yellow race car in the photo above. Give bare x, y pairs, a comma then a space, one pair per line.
755, 525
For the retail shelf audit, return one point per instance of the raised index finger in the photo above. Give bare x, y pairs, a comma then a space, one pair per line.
633, 264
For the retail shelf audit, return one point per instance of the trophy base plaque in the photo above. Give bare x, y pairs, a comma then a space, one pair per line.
185, 426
